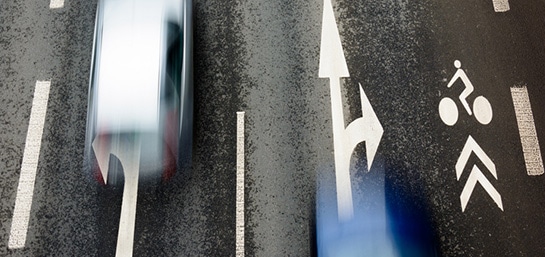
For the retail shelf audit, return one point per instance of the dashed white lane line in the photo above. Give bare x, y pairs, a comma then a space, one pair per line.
240, 186
501, 5
527, 131
55, 4
29, 166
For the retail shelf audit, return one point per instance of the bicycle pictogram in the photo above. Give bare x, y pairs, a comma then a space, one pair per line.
448, 110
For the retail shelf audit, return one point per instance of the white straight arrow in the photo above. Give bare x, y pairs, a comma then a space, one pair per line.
345, 139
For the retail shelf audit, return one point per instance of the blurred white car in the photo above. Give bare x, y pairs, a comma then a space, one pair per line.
141, 89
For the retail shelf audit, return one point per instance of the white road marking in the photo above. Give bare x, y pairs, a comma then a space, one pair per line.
240, 186
345, 139
471, 146
460, 74
29, 166
55, 4
527, 131
481, 106
501, 5
448, 111
333, 66
128, 152
476, 175
125, 235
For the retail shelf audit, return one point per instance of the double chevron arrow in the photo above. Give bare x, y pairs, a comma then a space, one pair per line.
476, 175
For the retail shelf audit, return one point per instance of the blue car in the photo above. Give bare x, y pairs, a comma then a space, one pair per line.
140, 112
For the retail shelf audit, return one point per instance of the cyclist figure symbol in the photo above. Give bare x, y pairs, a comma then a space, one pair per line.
448, 111
460, 74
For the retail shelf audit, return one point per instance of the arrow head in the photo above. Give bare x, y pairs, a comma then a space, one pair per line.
471, 146
373, 129
101, 147
332, 60
125, 148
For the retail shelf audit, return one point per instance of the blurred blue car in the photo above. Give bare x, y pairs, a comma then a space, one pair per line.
140, 90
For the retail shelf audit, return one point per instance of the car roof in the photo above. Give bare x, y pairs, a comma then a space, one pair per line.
131, 51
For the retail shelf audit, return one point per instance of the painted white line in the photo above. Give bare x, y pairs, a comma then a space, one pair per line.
55, 4
29, 166
527, 131
501, 5
240, 186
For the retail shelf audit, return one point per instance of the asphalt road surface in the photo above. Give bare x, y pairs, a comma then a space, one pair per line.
263, 58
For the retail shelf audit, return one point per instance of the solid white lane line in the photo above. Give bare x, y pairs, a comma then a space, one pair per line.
527, 131
240, 186
55, 4
29, 166
501, 5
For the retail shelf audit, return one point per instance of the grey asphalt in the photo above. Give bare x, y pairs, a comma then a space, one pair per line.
262, 57
42, 44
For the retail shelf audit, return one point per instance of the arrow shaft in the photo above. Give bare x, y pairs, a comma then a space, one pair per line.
342, 153
125, 237
129, 155
336, 105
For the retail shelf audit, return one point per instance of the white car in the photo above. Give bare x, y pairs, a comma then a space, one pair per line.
140, 108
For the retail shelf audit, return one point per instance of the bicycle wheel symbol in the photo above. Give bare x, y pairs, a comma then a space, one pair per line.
448, 111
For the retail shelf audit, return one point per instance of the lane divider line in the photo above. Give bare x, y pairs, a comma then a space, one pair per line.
527, 131
240, 186
501, 5
56, 4
29, 166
